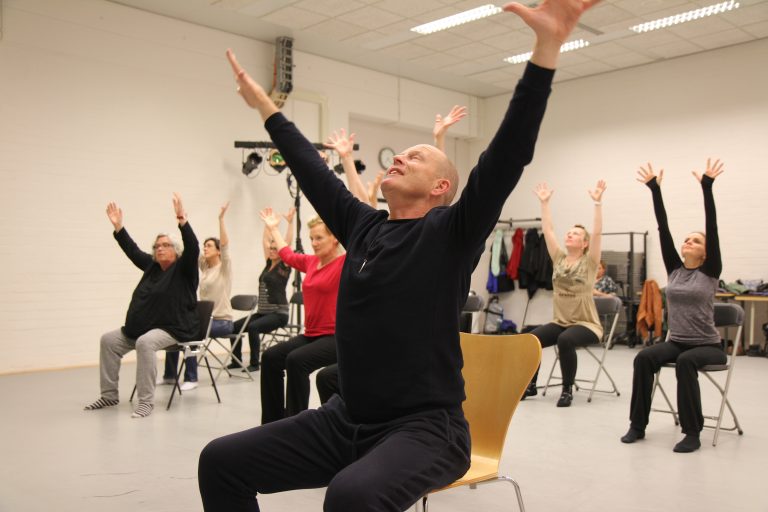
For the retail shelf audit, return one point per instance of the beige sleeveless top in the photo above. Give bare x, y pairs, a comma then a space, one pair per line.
572, 299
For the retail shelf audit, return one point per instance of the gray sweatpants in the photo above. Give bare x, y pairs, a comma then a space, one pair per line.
115, 344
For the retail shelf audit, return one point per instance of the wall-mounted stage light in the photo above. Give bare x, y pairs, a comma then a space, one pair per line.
359, 167
276, 161
251, 163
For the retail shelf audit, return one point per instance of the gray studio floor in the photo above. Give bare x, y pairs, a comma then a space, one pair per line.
56, 456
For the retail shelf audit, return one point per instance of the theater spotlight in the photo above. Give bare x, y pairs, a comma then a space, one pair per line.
251, 163
359, 167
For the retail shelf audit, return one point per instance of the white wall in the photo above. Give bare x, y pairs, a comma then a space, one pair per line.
674, 114
99, 103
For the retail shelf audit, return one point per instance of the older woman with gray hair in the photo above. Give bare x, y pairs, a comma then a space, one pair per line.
161, 311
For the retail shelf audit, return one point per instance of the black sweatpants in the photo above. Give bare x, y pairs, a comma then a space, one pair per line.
260, 323
366, 467
567, 339
327, 382
688, 359
297, 358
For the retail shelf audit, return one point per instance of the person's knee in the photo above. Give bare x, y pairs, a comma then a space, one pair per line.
295, 363
107, 341
685, 365
643, 361
346, 494
270, 359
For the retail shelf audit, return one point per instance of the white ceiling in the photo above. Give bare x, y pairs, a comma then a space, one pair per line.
376, 34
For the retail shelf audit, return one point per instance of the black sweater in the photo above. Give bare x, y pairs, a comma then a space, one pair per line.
163, 299
397, 327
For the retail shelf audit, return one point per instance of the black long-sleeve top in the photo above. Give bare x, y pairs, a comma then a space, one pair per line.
163, 299
404, 282
690, 292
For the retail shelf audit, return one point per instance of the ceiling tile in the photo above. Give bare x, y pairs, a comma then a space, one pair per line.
757, 29
406, 51
330, 7
436, 60
441, 41
724, 38
674, 49
472, 51
335, 30
371, 17
628, 59
293, 17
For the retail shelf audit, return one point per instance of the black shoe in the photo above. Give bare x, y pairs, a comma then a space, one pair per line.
233, 366
690, 443
566, 397
530, 391
632, 435
252, 368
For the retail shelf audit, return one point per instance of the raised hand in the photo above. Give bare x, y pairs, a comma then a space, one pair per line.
271, 220
646, 175
223, 210
543, 192
178, 207
115, 215
254, 94
289, 216
714, 169
339, 142
597, 194
373, 189
442, 124
552, 21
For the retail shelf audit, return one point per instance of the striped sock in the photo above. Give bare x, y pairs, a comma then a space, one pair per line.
100, 404
143, 410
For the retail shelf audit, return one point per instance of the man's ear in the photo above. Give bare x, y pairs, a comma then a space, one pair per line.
442, 186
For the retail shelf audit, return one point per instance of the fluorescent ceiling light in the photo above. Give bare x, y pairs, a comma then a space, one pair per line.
457, 19
567, 47
685, 16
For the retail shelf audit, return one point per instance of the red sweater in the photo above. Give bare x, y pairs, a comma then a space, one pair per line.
320, 289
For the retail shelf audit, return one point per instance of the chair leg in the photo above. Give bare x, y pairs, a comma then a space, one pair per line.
176, 382
213, 381
671, 410
132, 393
551, 372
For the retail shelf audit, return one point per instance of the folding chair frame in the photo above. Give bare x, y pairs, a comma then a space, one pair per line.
706, 370
607, 343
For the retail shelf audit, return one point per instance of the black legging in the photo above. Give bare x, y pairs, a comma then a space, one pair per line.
297, 357
567, 339
688, 359
259, 324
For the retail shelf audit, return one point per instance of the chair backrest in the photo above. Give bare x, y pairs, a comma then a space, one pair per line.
497, 370
607, 305
297, 298
728, 314
204, 317
244, 302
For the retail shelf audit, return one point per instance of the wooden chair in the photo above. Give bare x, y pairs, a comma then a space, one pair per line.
497, 369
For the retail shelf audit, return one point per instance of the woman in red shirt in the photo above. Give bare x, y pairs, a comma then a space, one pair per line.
316, 347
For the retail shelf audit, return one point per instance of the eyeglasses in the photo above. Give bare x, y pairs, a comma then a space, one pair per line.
164, 245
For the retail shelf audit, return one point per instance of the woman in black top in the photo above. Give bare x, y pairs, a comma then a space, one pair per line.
272, 311
693, 339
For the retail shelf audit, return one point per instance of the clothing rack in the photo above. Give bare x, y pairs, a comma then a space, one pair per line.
511, 222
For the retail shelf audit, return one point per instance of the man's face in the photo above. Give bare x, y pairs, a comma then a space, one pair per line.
413, 174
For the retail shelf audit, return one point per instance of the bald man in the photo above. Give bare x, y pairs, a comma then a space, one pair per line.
397, 430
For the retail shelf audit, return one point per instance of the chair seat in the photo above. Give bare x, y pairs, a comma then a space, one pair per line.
481, 469
706, 368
